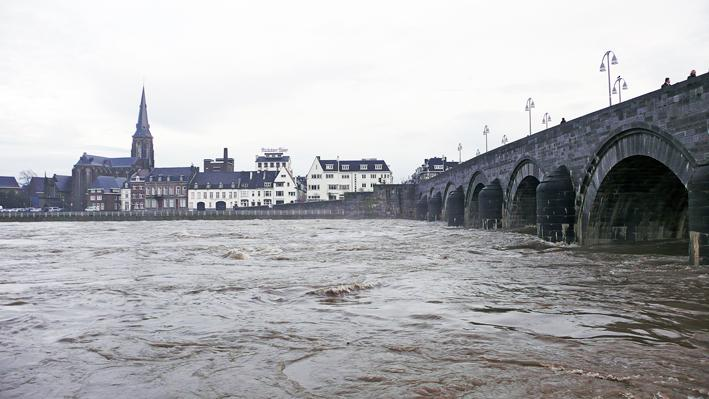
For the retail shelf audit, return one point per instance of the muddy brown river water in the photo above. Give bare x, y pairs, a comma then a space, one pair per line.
340, 308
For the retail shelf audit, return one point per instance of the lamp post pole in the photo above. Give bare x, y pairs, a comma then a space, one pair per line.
528, 108
617, 82
460, 149
546, 119
611, 61
486, 131
504, 139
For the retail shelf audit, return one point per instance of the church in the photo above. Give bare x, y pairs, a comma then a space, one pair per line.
90, 167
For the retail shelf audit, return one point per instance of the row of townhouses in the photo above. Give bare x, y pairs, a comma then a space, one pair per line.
101, 183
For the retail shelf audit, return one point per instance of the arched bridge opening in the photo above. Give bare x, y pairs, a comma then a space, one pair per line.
640, 199
523, 209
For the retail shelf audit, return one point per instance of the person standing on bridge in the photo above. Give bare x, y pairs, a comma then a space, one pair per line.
667, 83
692, 74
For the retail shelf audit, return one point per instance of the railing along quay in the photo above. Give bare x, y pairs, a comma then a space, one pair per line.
164, 214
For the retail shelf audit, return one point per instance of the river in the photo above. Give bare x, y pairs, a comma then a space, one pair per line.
340, 308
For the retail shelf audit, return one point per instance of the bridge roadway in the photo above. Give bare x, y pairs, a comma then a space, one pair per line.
636, 171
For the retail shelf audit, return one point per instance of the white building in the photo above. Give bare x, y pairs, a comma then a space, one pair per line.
273, 159
228, 190
331, 179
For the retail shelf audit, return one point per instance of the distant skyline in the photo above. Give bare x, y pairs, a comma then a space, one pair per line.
399, 81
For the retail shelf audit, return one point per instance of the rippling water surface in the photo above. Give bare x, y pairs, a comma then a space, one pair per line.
340, 308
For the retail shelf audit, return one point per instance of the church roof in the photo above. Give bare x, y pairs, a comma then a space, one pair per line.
97, 160
142, 128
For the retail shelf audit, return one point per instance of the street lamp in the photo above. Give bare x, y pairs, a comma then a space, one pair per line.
460, 148
477, 152
546, 119
504, 139
528, 108
611, 61
486, 131
617, 82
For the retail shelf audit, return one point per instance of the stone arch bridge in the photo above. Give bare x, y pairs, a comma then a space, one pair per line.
636, 171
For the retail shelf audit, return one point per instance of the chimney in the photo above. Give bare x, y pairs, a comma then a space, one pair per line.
226, 154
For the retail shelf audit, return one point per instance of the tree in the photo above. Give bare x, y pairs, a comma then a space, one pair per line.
25, 177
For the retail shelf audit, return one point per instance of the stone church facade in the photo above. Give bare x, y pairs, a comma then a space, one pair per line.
90, 167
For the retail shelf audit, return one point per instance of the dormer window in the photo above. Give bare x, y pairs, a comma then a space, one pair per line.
159, 178
196, 186
378, 166
151, 178
345, 167
363, 167
182, 177
221, 185
329, 166
167, 178
233, 185
209, 186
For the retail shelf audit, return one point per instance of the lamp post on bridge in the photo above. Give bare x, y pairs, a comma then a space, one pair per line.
611, 61
617, 83
504, 139
477, 152
546, 119
528, 108
486, 131
460, 149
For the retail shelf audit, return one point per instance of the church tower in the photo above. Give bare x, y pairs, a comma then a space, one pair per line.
142, 147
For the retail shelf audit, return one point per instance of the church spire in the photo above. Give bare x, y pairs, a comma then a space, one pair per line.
142, 128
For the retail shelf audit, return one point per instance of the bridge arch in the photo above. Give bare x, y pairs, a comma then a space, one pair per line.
635, 189
521, 193
476, 183
447, 190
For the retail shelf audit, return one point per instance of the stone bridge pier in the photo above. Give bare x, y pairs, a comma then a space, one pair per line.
634, 172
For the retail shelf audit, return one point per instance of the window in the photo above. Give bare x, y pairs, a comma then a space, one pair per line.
329, 166
332, 187
315, 176
279, 193
373, 176
259, 164
279, 184
438, 167
191, 194
345, 176
314, 187
329, 176
364, 176
364, 185
291, 193
344, 187
378, 166
363, 167
211, 194
345, 167
267, 193
271, 164
267, 184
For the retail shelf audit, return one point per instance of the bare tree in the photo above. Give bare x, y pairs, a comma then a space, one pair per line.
25, 177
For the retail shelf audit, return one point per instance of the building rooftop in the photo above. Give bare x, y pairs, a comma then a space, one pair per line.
237, 180
63, 183
8, 182
175, 173
107, 183
364, 165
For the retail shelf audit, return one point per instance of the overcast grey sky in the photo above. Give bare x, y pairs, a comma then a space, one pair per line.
396, 80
